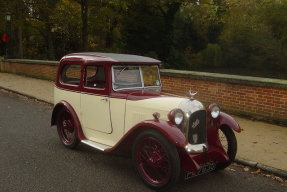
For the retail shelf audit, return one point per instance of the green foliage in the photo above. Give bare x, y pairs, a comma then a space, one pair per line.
212, 56
185, 34
275, 17
177, 60
105, 25
149, 26
247, 41
66, 26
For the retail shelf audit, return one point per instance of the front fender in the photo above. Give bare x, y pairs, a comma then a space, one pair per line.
214, 124
225, 119
170, 131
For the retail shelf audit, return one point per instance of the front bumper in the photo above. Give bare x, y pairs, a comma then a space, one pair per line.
192, 162
195, 148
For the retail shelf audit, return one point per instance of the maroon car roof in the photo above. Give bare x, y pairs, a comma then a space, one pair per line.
112, 57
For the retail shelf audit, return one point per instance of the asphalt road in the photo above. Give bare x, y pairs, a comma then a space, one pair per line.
33, 159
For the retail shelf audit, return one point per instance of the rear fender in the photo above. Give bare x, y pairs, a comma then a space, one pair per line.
65, 105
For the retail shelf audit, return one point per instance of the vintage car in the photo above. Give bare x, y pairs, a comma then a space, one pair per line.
115, 103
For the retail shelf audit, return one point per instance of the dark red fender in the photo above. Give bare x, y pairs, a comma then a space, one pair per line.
69, 108
214, 124
173, 134
225, 119
191, 162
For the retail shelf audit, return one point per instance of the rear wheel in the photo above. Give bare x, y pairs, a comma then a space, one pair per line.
229, 144
66, 129
156, 160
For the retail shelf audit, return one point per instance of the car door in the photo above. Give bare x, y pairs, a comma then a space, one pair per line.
95, 103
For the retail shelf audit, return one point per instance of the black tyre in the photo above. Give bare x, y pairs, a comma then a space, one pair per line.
156, 160
66, 129
229, 144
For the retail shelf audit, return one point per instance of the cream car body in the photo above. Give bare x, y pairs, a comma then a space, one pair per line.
115, 103
114, 117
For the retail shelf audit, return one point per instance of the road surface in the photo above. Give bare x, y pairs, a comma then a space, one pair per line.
33, 159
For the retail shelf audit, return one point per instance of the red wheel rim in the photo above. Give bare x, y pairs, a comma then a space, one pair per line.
153, 161
66, 128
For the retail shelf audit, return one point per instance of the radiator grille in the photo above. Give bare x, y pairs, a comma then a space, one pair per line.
197, 127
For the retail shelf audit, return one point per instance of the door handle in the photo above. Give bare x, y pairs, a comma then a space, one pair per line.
104, 99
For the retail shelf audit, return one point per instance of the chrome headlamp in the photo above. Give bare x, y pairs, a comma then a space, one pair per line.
176, 116
215, 111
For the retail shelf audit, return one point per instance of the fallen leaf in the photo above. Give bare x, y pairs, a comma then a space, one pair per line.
257, 171
246, 169
278, 179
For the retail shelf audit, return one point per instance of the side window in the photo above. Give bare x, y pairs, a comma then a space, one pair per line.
95, 77
71, 74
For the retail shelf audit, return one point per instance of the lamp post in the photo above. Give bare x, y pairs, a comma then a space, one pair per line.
8, 34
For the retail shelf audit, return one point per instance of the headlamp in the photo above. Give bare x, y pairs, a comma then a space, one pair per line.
176, 116
215, 111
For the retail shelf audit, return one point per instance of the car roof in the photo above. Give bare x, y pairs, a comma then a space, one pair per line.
112, 57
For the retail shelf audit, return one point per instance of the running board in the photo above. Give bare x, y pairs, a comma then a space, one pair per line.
96, 145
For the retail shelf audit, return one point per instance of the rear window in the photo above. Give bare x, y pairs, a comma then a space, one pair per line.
71, 74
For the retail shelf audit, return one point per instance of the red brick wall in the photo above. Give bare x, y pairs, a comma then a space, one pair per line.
250, 98
42, 71
265, 102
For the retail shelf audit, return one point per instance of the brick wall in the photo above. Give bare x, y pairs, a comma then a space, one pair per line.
33, 68
250, 96
265, 103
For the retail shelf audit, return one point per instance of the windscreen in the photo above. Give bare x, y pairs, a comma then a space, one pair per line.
133, 77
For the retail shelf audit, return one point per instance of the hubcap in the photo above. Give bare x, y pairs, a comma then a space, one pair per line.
153, 161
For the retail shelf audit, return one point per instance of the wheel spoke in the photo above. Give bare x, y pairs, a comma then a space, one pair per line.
66, 128
223, 140
144, 156
153, 160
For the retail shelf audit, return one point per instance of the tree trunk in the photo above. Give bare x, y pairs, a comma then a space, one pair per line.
50, 44
18, 32
19, 52
169, 17
109, 35
84, 9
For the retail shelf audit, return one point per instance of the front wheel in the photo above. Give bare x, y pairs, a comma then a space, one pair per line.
66, 129
229, 144
156, 160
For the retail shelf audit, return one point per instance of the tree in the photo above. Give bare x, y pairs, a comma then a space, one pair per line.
18, 13
247, 41
84, 15
149, 27
39, 12
106, 18
66, 21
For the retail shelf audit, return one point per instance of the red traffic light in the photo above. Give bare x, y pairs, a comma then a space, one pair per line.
5, 38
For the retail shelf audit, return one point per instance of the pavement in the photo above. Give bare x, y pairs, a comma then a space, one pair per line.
260, 145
